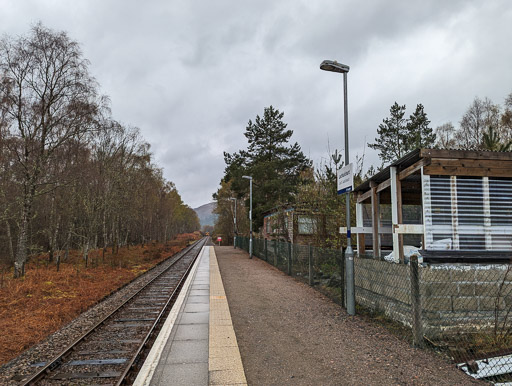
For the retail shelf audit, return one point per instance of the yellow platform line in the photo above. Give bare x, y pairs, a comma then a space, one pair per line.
224, 364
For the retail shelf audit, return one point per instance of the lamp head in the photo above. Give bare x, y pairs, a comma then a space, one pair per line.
247, 177
334, 66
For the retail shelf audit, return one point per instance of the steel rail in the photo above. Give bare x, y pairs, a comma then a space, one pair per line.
57, 360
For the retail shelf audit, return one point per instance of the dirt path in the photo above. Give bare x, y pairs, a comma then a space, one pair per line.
290, 334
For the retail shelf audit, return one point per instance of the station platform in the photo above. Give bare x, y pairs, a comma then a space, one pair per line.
287, 333
197, 344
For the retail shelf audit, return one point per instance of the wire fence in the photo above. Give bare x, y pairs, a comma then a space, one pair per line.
461, 311
320, 268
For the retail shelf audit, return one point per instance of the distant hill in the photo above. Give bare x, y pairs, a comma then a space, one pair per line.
206, 215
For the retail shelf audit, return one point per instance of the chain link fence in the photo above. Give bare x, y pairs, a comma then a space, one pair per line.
461, 311
320, 268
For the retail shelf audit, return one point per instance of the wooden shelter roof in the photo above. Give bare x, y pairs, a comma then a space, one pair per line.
445, 162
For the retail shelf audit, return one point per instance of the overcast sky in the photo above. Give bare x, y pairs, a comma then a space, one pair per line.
190, 73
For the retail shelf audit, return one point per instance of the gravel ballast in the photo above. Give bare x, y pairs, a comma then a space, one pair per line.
12, 372
288, 333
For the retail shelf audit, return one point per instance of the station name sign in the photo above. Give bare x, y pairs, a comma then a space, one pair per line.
345, 179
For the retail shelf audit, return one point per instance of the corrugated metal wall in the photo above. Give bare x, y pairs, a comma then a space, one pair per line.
467, 213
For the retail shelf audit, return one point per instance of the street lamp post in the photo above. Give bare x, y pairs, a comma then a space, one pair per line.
234, 223
250, 214
334, 66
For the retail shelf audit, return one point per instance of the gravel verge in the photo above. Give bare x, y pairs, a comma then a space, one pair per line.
290, 334
11, 372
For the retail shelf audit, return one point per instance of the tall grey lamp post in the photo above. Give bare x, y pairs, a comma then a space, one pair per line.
234, 223
334, 66
250, 214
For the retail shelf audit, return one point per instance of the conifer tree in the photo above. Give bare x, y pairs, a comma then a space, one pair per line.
399, 135
419, 134
274, 164
392, 133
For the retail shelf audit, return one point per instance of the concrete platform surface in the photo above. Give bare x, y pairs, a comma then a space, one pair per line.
197, 344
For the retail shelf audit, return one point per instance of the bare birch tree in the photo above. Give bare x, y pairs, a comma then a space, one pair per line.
57, 136
48, 99
481, 115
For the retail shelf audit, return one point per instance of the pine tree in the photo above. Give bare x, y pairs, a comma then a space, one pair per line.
491, 141
398, 135
419, 134
392, 133
274, 165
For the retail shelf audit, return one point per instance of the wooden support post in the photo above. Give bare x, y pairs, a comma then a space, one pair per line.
396, 214
400, 218
375, 220
417, 324
359, 222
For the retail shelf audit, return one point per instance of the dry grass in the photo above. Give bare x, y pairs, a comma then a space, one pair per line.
44, 300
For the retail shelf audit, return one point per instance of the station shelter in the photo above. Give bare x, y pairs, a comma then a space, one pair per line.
452, 205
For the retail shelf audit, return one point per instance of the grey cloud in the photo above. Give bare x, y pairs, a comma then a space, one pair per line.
190, 74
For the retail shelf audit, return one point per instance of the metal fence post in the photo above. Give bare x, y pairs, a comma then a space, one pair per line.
266, 250
310, 263
290, 259
417, 325
275, 252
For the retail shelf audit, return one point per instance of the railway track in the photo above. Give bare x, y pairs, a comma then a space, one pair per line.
112, 350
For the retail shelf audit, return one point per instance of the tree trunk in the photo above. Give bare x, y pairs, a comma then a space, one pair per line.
142, 233
94, 263
50, 253
9, 241
68, 242
86, 252
125, 242
105, 235
115, 233
51, 233
55, 235
21, 253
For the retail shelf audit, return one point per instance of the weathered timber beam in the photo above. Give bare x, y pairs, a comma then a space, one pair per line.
413, 168
465, 171
473, 163
384, 185
465, 154
365, 196
409, 229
